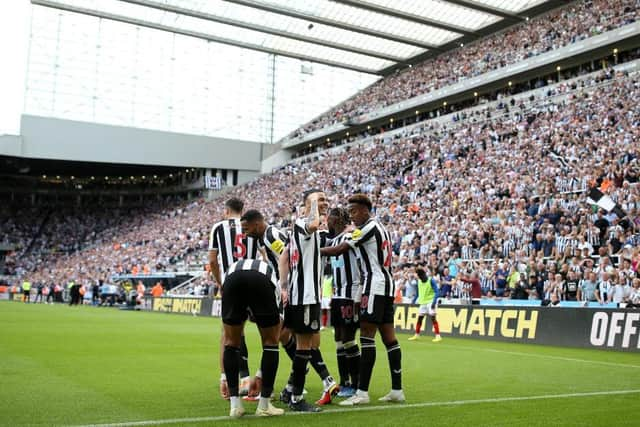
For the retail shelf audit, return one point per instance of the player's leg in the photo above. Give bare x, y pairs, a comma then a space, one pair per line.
367, 361
231, 363
352, 352
245, 378
264, 306
341, 355
224, 387
325, 305
329, 385
368, 316
394, 354
269, 367
422, 312
305, 326
288, 341
436, 326
234, 314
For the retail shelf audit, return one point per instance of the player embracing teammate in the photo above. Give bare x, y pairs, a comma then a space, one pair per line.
363, 292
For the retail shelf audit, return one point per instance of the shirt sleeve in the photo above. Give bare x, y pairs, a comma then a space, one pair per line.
213, 238
368, 231
302, 227
272, 234
434, 286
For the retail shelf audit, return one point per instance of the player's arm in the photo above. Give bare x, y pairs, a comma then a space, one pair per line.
275, 240
214, 267
358, 237
434, 286
340, 249
313, 220
283, 270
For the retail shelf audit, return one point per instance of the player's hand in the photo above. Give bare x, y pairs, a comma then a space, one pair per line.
277, 246
284, 297
356, 234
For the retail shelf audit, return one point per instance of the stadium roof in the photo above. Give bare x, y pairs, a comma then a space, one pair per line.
372, 36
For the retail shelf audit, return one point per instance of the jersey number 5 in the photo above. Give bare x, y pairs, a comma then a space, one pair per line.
386, 247
241, 248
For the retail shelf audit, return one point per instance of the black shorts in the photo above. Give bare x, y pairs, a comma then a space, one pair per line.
302, 319
343, 313
245, 290
376, 309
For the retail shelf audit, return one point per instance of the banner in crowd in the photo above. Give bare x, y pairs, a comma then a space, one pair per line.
568, 327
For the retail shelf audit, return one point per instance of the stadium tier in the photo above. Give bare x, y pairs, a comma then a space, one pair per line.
563, 26
475, 196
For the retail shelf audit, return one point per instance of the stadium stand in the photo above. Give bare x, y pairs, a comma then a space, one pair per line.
558, 28
481, 191
517, 172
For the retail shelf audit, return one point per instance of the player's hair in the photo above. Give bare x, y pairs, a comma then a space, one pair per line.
309, 192
252, 215
422, 275
361, 199
234, 205
327, 269
342, 214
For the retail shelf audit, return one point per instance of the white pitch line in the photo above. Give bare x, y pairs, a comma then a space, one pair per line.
374, 408
543, 356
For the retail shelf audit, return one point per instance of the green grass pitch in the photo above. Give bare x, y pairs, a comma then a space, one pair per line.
63, 365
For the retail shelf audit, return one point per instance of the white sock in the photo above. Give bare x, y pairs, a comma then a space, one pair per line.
235, 401
289, 388
259, 373
263, 403
223, 377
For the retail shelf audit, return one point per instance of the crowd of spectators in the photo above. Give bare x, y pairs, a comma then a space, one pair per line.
558, 28
496, 207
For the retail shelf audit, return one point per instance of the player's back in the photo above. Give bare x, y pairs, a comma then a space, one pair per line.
227, 239
376, 252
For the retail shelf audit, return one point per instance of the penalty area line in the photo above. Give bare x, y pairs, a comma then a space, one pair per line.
375, 408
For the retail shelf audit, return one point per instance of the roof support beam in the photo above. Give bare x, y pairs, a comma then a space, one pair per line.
263, 29
330, 22
406, 16
487, 9
203, 36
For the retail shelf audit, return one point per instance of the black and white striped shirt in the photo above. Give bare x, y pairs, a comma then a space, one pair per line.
593, 236
376, 251
226, 237
487, 282
561, 243
305, 264
255, 265
508, 246
466, 252
261, 267
346, 271
272, 234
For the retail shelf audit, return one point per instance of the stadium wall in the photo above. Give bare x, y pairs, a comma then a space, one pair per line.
612, 329
274, 156
50, 138
10, 145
